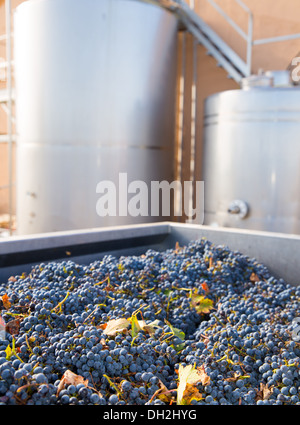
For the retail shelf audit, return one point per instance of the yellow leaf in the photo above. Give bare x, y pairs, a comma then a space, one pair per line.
201, 303
135, 325
8, 352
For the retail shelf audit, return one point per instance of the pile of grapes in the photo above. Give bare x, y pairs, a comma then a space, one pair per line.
197, 325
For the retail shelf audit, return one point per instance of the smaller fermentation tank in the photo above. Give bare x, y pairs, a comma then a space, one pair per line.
251, 161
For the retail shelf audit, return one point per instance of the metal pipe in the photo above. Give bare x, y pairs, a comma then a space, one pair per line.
276, 39
249, 43
5, 186
243, 6
9, 106
4, 64
5, 139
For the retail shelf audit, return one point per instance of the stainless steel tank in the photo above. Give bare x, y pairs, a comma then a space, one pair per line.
95, 97
251, 159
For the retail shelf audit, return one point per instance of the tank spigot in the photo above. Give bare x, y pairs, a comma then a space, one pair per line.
239, 208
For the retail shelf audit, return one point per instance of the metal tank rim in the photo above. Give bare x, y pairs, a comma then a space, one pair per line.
277, 251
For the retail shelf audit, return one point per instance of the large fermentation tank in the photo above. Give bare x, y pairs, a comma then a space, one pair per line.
251, 158
95, 91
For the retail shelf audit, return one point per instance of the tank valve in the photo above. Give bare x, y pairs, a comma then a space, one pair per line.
239, 208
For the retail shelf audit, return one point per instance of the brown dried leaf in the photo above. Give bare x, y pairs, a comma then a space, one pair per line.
190, 375
103, 343
265, 392
70, 378
151, 327
254, 278
205, 339
12, 279
162, 393
191, 393
13, 327
234, 378
203, 377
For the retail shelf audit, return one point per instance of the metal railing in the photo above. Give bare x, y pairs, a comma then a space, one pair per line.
189, 16
247, 36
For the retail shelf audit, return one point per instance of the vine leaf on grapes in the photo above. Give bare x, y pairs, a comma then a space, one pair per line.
264, 393
162, 393
12, 279
135, 326
178, 333
113, 326
236, 376
70, 378
5, 301
177, 248
13, 327
189, 376
204, 286
191, 393
151, 327
12, 351
202, 304
254, 277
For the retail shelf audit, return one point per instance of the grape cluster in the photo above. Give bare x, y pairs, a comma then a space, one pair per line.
56, 318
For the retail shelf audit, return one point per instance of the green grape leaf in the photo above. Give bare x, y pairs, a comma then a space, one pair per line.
135, 326
201, 304
176, 332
